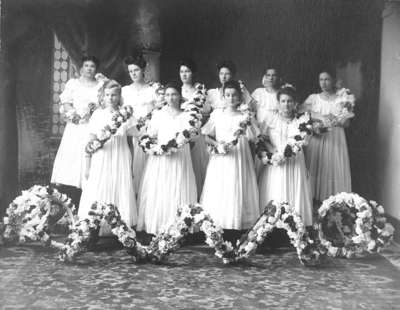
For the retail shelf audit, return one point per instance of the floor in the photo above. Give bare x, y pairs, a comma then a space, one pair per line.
192, 278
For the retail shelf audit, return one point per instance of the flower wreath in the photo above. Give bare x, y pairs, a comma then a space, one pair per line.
150, 144
281, 215
223, 148
349, 225
296, 141
117, 119
30, 215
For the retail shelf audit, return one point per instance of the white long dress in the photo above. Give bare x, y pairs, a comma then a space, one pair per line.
142, 101
168, 180
287, 182
110, 177
266, 104
69, 164
327, 156
230, 192
198, 152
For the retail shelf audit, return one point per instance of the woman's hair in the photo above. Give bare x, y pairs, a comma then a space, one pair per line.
287, 90
187, 62
227, 64
91, 58
330, 71
233, 85
271, 68
110, 84
175, 85
137, 60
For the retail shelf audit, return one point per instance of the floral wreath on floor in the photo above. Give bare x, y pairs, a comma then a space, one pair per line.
297, 139
31, 215
223, 148
150, 144
350, 226
281, 215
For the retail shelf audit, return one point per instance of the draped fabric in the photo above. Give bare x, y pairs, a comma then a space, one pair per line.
98, 29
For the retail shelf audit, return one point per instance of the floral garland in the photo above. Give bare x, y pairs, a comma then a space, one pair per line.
190, 218
84, 233
30, 215
150, 144
117, 119
72, 116
281, 215
297, 139
349, 225
223, 148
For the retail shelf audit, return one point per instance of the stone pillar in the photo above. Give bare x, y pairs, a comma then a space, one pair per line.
8, 125
388, 128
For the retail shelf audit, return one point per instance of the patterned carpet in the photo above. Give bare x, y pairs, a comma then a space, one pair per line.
192, 278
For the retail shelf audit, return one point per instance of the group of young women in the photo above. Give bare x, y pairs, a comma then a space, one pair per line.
231, 184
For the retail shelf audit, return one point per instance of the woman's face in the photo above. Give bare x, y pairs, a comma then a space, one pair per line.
270, 78
225, 75
326, 82
186, 75
287, 105
172, 97
136, 73
112, 97
231, 97
89, 69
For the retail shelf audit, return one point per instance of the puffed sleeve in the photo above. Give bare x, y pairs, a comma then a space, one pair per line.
209, 127
67, 95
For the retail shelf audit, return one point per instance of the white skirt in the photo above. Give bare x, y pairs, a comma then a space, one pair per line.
168, 182
69, 164
328, 162
230, 192
287, 183
139, 161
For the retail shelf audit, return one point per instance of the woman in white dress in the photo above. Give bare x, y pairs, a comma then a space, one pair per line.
286, 182
266, 102
142, 98
168, 180
79, 95
326, 155
226, 73
108, 170
199, 149
230, 192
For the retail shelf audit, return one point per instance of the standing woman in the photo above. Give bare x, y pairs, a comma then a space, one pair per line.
226, 73
168, 180
199, 150
78, 100
265, 97
286, 181
108, 170
230, 192
326, 155
266, 102
141, 97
